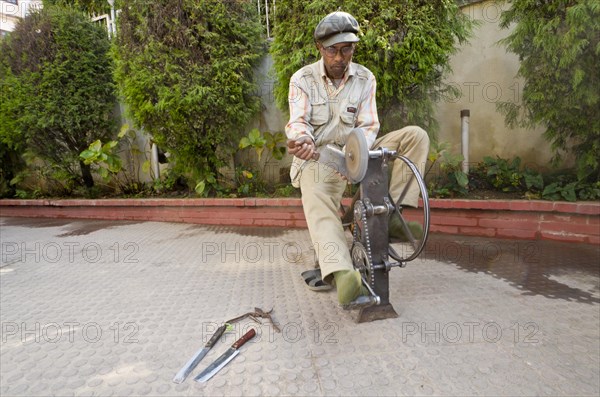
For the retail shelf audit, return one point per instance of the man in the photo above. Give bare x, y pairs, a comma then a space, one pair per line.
327, 100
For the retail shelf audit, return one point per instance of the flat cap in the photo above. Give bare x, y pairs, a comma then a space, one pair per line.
337, 27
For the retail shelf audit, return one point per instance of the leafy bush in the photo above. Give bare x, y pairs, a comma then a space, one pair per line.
273, 142
406, 44
88, 6
58, 87
558, 43
508, 176
108, 163
249, 174
185, 70
106, 160
37, 179
447, 178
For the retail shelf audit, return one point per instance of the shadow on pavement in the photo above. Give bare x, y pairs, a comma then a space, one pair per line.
569, 271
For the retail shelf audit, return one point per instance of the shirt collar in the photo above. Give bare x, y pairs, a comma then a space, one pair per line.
350, 72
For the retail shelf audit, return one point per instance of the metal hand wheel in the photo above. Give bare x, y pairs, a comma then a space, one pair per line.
410, 224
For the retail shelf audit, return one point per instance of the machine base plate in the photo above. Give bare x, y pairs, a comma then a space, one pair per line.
377, 312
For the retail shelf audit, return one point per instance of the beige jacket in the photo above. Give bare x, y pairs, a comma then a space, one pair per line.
327, 113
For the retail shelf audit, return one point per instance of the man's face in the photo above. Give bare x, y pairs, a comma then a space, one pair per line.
336, 58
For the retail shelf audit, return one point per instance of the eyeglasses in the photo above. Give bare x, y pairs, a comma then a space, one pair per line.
331, 52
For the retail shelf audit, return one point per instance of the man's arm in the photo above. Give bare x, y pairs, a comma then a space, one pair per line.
300, 109
298, 130
367, 118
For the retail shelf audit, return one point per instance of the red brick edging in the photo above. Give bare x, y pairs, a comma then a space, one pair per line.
520, 219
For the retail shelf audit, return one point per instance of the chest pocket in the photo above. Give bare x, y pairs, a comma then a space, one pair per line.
349, 105
319, 114
348, 111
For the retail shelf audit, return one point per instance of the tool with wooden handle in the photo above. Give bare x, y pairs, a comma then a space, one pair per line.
225, 358
193, 362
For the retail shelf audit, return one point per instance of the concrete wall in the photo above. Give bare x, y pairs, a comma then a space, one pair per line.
485, 74
270, 119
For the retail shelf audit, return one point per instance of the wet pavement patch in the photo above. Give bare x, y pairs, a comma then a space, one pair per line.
250, 231
534, 267
76, 227
36, 222
82, 228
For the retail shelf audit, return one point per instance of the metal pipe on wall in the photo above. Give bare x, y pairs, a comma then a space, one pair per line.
267, 20
464, 138
154, 161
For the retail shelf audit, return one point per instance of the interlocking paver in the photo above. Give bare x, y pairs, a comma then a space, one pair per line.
116, 308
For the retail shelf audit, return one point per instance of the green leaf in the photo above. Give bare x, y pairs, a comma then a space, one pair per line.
114, 164
87, 154
254, 135
461, 178
534, 181
146, 166
279, 153
96, 146
244, 143
200, 187
568, 192
108, 146
123, 131
104, 173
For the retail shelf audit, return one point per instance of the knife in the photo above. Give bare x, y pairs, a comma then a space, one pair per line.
191, 364
225, 358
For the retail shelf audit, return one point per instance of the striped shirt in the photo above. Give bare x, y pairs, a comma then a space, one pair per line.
328, 113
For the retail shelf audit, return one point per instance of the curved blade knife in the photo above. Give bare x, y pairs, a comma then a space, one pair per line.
225, 358
191, 364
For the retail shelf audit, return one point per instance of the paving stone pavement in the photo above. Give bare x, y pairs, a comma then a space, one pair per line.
116, 308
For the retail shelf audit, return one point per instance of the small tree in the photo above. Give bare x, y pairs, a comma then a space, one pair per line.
89, 6
61, 95
406, 44
185, 70
558, 44
12, 142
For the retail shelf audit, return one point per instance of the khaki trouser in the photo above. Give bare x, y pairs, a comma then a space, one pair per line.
322, 191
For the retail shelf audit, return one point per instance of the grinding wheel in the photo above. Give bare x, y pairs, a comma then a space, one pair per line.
357, 155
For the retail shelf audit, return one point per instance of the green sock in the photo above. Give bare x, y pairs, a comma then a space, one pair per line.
349, 285
396, 230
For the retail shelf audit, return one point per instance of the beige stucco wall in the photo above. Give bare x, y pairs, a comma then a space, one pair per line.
485, 74
11, 13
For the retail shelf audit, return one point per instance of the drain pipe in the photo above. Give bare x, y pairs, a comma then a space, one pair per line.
464, 135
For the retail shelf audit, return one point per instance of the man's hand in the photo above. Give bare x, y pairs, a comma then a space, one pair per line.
302, 147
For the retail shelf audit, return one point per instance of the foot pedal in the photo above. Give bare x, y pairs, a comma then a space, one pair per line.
376, 312
362, 302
